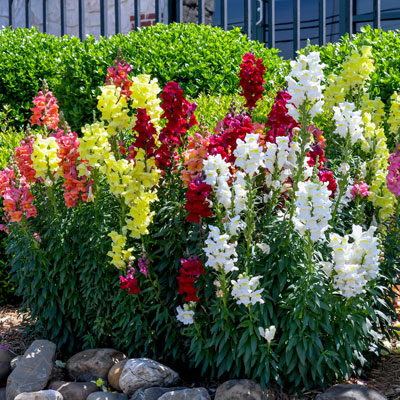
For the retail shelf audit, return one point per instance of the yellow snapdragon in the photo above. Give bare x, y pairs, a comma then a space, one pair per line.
145, 95
394, 115
119, 256
45, 160
114, 109
375, 107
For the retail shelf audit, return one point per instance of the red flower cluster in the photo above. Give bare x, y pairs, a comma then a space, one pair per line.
326, 175
74, 187
252, 79
118, 75
191, 269
23, 158
197, 203
45, 111
180, 117
146, 135
280, 123
129, 282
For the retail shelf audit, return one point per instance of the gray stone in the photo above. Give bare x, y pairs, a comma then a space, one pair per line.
2, 393
187, 394
33, 370
5, 370
115, 373
153, 393
6, 355
143, 373
14, 361
350, 392
106, 396
92, 364
240, 389
74, 390
41, 395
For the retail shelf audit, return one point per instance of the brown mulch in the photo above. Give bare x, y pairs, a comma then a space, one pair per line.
384, 377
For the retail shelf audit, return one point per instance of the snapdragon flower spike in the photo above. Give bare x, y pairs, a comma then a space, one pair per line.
252, 79
393, 176
45, 112
191, 269
249, 155
326, 175
305, 84
360, 190
354, 264
196, 201
348, 122
118, 75
185, 314
130, 283
312, 209
268, 334
245, 291
23, 158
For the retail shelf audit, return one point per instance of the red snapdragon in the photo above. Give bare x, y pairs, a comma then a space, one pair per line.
191, 269
130, 282
326, 175
196, 200
118, 75
251, 79
23, 159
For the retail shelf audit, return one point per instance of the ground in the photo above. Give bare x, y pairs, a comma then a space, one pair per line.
384, 376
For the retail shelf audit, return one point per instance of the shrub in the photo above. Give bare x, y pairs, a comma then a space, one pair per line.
201, 58
254, 259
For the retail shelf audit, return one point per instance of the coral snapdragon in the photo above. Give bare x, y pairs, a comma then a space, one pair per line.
118, 75
45, 112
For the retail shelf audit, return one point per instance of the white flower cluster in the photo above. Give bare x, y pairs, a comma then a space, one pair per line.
185, 314
312, 209
304, 84
268, 334
217, 174
240, 192
281, 158
249, 155
245, 291
354, 264
348, 121
220, 253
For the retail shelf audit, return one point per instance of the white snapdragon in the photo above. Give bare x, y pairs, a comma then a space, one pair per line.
249, 154
220, 253
217, 173
312, 209
240, 192
348, 121
304, 84
234, 225
245, 291
355, 263
264, 247
185, 314
268, 334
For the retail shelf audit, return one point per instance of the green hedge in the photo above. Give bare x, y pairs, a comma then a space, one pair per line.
201, 58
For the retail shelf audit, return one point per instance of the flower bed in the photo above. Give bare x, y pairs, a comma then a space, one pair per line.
260, 247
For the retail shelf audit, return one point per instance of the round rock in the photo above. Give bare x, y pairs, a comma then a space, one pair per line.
2, 393
141, 373
350, 392
93, 364
240, 389
106, 396
74, 390
115, 373
40, 395
187, 394
153, 393
5, 370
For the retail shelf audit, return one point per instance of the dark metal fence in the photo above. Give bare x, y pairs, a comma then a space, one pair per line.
266, 33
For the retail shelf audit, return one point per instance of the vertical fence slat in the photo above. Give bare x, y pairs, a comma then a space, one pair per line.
27, 14
224, 15
346, 17
63, 15
137, 14
103, 17
10, 13
296, 26
202, 16
247, 18
44, 15
158, 11
81, 7
179, 10
322, 22
117, 13
271, 23
377, 14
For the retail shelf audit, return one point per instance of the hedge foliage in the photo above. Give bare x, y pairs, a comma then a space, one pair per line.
200, 58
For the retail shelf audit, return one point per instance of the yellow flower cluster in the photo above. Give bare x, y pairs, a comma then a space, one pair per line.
114, 109
45, 160
394, 115
356, 71
145, 95
94, 147
375, 142
118, 255
375, 107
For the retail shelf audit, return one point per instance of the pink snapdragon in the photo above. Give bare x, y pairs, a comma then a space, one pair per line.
359, 189
393, 176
